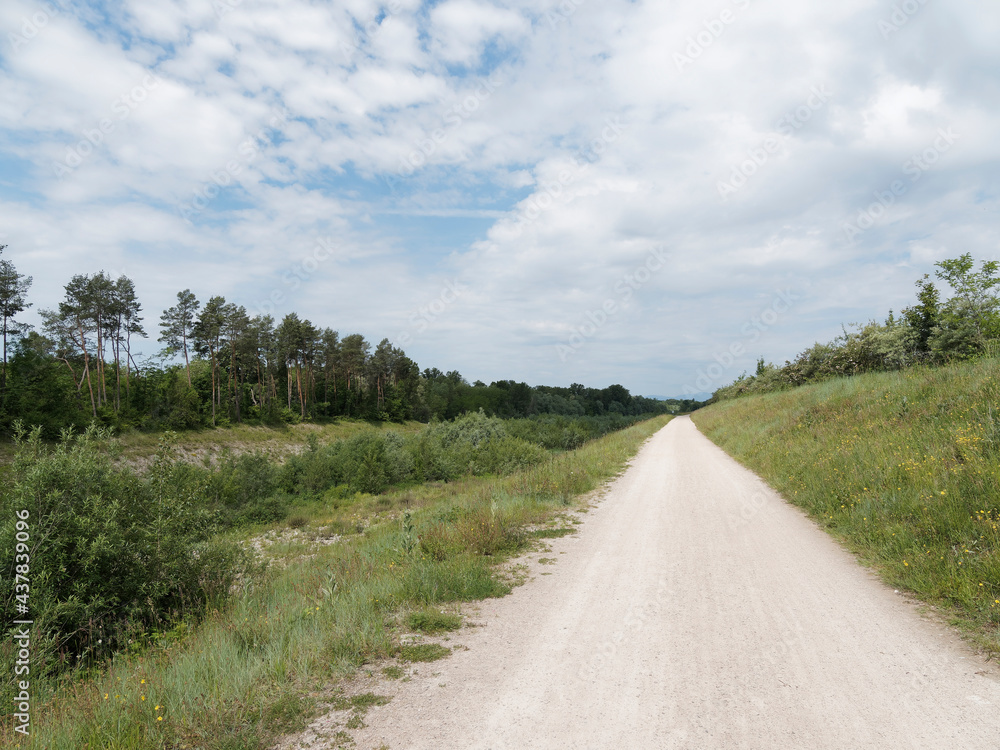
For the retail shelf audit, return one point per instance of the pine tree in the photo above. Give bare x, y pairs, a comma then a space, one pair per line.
177, 324
13, 291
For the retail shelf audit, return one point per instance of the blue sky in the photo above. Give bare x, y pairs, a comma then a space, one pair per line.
648, 193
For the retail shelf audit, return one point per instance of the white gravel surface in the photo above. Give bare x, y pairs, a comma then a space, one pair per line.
695, 609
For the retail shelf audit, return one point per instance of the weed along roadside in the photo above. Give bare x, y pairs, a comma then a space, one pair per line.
324, 600
903, 467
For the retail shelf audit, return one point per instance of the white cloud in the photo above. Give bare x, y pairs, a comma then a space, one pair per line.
588, 147
459, 29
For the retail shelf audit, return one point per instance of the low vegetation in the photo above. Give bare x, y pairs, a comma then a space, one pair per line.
433, 620
225, 657
121, 552
904, 467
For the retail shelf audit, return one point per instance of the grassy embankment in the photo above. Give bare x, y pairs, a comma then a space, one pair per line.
272, 659
903, 467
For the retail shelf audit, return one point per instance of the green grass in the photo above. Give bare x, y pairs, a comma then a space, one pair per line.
394, 673
362, 702
903, 467
550, 533
432, 620
423, 652
241, 676
360, 705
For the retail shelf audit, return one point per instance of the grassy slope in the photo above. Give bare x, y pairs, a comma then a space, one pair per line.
903, 467
258, 669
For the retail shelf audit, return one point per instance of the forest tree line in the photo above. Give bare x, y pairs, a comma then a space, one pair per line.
221, 365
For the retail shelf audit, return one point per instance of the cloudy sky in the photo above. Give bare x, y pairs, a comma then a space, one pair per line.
554, 191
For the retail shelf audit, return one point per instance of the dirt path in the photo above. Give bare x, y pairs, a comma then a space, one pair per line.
696, 610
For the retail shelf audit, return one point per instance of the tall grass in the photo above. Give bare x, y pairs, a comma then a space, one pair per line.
245, 674
904, 467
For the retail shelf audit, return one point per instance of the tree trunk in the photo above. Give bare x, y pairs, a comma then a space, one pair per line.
86, 370
232, 379
187, 362
128, 356
118, 370
212, 350
3, 374
298, 383
90, 385
102, 392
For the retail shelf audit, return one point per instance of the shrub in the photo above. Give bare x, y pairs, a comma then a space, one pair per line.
430, 460
507, 455
111, 554
244, 488
472, 444
368, 462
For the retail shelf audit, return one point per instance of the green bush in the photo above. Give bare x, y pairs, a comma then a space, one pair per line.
556, 432
367, 462
472, 444
371, 462
111, 554
431, 462
245, 478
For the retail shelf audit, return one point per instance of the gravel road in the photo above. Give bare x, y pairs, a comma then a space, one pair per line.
695, 609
